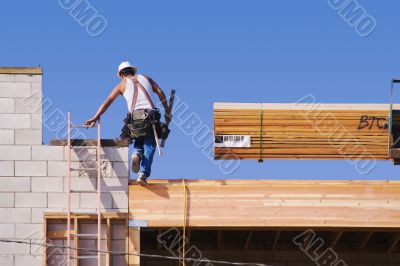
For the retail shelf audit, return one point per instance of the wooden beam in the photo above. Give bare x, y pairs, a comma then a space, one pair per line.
247, 240
21, 70
108, 241
134, 246
364, 240
220, 240
276, 240
287, 204
158, 244
335, 238
393, 242
76, 241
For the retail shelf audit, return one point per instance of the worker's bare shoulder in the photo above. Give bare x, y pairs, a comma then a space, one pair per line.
121, 86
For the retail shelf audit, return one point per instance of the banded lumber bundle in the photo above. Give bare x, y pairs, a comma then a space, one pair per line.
302, 131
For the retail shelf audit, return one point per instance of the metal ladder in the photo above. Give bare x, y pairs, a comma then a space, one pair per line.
75, 233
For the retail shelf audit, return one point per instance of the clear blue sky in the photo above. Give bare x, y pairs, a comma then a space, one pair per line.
210, 51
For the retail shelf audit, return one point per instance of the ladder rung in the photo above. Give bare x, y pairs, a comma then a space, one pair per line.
83, 147
82, 126
85, 235
84, 169
84, 257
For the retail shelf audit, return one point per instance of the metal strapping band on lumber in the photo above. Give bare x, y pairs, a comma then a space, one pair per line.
261, 134
184, 221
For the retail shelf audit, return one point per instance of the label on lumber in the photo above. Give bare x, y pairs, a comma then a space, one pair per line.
232, 141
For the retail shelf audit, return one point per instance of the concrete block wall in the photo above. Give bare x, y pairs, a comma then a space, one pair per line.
33, 176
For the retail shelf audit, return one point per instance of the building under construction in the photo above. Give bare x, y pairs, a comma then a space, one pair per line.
69, 202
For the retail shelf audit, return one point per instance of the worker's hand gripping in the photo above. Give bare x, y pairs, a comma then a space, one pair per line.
91, 122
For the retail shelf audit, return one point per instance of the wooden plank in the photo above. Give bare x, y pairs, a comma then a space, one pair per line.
21, 70
134, 246
108, 241
268, 203
76, 242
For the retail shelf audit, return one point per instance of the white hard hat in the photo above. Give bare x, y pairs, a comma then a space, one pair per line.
124, 65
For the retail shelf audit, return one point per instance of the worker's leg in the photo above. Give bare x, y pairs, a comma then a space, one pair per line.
147, 160
138, 153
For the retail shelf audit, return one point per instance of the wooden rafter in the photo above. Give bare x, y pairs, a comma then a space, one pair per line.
247, 240
220, 240
335, 238
276, 240
393, 242
366, 236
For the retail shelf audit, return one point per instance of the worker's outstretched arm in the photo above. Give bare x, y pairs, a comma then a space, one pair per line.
157, 90
110, 99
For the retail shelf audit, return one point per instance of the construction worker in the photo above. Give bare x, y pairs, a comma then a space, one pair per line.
138, 91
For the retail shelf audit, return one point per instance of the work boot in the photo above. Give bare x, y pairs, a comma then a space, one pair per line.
141, 180
135, 162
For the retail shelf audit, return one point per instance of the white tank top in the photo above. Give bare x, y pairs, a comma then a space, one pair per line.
142, 102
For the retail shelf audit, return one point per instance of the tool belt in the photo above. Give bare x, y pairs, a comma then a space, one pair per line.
139, 124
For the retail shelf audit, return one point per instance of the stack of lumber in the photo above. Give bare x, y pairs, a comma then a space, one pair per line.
302, 131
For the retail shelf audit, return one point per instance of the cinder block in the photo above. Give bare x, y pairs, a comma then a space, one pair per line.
81, 183
30, 105
6, 136
15, 89
59, 200
118, 154
15, 121
37, 249
15, 249
120, 201
6, 168
15, 184
115, 185
47, 184
28, 136
23, 199
30, 168
48, 153
6, 105
20, 78
29, 231
15, 215
7, 260
31, 260
36, 121
38, 213
120, 169
6, 200
11, 152
7, 231
36, 87
57, 168
89, 200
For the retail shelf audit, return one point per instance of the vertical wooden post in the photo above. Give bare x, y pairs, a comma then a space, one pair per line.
108, 241
76, 241
134, 246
